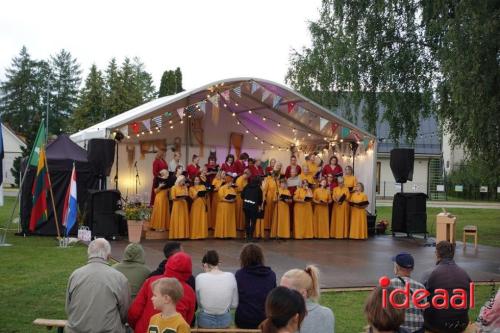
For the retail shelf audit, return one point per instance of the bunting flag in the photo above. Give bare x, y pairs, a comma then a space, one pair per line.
365, 143
39, 193
276, 101
147, 124
168, 114
214, 100
203, 106
70, 204
345, 132
265, 95
322, 123
124, 130
226, 96
334, 127
157, 121
135, 128
191, 108
180, 112
356, 136
255, 87
290, 106
300, 110
237, 91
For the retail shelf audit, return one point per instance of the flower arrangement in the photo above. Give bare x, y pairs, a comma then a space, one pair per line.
137, 212
381, 226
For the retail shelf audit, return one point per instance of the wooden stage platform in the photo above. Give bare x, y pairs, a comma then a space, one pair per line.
343, 263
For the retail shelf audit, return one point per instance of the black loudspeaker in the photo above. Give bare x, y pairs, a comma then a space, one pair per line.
402, 164
101, 153
102, 218
409, 213
370, 220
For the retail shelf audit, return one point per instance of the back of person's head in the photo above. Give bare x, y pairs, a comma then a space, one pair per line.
210, 258
283, 307
384, 319
134, 253
251, 255
180, 266
99, 248
305, 281
171, 248
445, 250
170, 287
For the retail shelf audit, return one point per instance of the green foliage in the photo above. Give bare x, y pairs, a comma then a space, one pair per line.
135, 212
91, 101
171, 83
16, 169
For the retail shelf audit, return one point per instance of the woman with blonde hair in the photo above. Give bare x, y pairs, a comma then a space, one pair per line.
217, 182
179, 219
319, 319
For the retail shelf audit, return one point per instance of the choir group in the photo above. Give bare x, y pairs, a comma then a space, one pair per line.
307, 201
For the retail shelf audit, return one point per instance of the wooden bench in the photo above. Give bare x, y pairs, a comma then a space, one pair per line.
59, 324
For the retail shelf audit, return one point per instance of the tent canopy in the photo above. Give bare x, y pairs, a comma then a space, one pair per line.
63, 148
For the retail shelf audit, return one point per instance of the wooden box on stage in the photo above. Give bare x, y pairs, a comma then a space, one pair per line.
445, 227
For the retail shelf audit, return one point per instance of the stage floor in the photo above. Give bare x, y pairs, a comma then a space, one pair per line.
343, 263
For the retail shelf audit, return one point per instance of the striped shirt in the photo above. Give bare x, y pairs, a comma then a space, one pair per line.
414, 318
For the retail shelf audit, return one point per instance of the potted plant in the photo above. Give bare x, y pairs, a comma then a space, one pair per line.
381, 226
136, 215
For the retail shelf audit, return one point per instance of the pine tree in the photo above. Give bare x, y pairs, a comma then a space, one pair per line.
91, 101
178, 80
171, 83
129, 94
113, 85
144, 81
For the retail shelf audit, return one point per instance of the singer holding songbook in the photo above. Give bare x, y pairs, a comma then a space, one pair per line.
225, 224
280, 227
339, 226
160, 216
179, 219
199, 210
303, 212
321, 219
158, 165
358, 203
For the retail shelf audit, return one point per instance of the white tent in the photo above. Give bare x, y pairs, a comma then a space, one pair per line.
260, 117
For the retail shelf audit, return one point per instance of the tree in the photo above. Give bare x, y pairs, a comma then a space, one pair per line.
171, 83
112, 103
91, 101
65, 82
143, 81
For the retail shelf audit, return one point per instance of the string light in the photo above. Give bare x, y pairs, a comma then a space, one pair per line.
279, 125
172, 127
234, 114
250, 111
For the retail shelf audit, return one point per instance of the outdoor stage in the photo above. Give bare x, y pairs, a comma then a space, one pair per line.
343, 263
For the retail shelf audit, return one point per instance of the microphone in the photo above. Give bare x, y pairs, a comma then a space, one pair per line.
135, 164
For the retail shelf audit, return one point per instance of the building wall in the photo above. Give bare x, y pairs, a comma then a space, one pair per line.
12, 149
452, 157
388, 186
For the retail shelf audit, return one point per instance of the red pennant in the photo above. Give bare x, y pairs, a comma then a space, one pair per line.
334, 127
356, 136
291, 105
135, 128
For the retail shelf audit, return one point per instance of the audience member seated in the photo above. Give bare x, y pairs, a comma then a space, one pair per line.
319, 318
178, 266
216, 293
489, 316
166, 293
133, 267
254, 281
285, 311
380, 319
447, 275
98, 296
403, 266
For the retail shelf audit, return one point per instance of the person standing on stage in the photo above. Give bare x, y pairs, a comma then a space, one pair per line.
158, 165
229, 167
281, 218
293, 181
254, 171
321, 220
358, 202
293, 166
160, 216
193, 169
199, 210
270, 190
258, 165
333, 168
241, 182
253, 200
225, 225
330, 182
270, 168
339, 226
175, 162
241, 164
212, 168
349, 179
302, 212
179, 219
214, 197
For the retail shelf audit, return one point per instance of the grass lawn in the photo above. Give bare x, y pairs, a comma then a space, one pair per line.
486, 220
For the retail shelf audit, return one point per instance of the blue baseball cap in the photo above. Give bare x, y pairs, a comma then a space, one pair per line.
404, 260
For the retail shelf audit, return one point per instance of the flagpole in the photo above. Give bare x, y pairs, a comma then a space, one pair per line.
52, 199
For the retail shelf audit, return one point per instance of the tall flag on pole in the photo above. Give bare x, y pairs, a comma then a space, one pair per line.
41, 138
70, 204
39, 193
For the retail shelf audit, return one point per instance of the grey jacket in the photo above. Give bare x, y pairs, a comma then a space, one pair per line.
319, 319
97, 299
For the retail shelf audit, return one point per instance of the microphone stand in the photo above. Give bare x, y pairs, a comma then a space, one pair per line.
137, 179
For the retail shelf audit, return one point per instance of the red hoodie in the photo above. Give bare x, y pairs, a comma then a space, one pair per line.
140, 312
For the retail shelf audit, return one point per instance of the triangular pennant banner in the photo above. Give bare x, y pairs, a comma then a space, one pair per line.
203, 106
345, 132
322, 123
237, 91
214, 100
334, 127
265, 95
356, 136
255, 86
365, 143
226, 96
191, 108
300, 110
276, 101
124, 130
147, 124
135, 128
290, 105
157, 121
180, 112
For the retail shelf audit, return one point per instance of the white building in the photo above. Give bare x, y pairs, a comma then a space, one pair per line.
12, 145
452, 157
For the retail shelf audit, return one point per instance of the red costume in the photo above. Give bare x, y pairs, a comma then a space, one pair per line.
269, 170
158, 165
193, 170
240, 167
335, 171
229, 168
212, 170
289, 169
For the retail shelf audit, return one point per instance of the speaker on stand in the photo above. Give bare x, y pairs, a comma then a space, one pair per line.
103, 216
101, 153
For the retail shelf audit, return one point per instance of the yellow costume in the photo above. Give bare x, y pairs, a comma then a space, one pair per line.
160, 217
225, 226
281, 219
359, 226
309, 175
340, 215
214, 200
350, 181
269, 191
199, 213
241, 182
302, 216
179, 219
321, 220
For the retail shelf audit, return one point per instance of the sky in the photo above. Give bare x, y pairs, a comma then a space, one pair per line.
208, 40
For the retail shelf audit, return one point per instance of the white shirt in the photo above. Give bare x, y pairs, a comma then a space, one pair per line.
172, 166
216, 292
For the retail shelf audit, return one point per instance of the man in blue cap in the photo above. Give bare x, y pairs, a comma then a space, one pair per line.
403, 266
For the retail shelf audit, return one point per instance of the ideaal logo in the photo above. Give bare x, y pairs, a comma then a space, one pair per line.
419, 297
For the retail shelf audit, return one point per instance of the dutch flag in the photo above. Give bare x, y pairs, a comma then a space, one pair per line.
70, 204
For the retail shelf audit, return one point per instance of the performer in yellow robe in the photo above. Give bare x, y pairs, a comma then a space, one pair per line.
214, 197
307, 175
199, 211
321, 219
241, 182
302, 212
270, 188
341, 211
349, 179
281, 219
160, 217
359, 225
179, 219
225, 226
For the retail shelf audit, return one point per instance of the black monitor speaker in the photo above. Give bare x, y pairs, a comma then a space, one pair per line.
102, 217
101, 153
409, 213
402, 164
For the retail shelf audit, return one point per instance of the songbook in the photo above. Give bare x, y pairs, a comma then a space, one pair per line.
230, 196
285, 197
308, 199
201, 194
342, 198
350, 189
181, 196
359, 204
